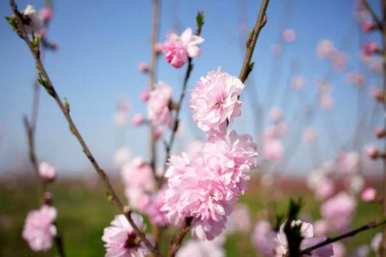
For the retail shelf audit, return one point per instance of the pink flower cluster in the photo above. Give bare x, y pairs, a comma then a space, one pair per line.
47, 171
263, 238
121, 240
206, 187
39, 229
273, 149
159, 102
178, 49
215, 101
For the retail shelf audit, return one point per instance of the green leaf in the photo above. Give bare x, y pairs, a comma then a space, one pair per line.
12, 22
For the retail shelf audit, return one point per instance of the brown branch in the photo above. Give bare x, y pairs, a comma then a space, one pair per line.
383, 25
375, 17
176, 243
251, 42
45, 81
351, 233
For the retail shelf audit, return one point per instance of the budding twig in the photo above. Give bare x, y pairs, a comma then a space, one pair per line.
351, 233
375, 17
177, 241
45, 81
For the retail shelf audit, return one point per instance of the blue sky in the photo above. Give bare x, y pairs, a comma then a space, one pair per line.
101, 43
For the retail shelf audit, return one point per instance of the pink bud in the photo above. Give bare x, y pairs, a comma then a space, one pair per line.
143, 67
372, 152
289, 35
368, 26
145, 95
46, 14
369, 194
369, 49
137, 120
47, 171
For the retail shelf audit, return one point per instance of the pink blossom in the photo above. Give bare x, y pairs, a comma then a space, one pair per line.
263, 238
157, 132
372, 152
121, 118
326, 101
369, 194
158, 105
121, 240
376, 242
46, 14
47, 171
325, 48
370, 48
325, 188
198, 248
35, 21
339, 60
273, 149
143, 67
178, 49
239, 220
348, 162
144, 95
215, 101
122, 155
205, 188
39, 229
154, 209
339, 249
338, 210
137, 120
321, 228
367, 26
289, 35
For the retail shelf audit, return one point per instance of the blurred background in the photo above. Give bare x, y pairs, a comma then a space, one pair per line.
311, 93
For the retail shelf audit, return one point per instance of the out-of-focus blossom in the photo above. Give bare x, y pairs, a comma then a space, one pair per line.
320, 228
309, 135
289, 35
197, 248
357, 183
370, 48
356, 79
376, 242
154, 209
159, 105
215, 101
157, 132
46, 14
121, 240
39, 229
144, 95
326, 101
325, 48
137, 119
47, 171
34, 22
369, 194
239, 220
263, 238
297, 82
368, 26
348, 162
276, 114
273, 149
339, 60
362, 251
338, 211
339, 249
372, 152
122, 155
143, 67
121, 118
206, 187
178, 49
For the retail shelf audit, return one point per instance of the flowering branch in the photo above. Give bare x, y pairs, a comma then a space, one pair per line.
377, 21
189, 69
177, 241
351, 233
45, 81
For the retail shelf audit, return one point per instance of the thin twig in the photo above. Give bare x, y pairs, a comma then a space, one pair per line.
177, 241
375, 17
50, 89
351, 233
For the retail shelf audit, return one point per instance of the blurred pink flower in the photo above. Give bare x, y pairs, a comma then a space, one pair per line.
215, 101
36, 23
376, 242
122, 155
276, 114
120, 239
143, 67
367, 26
339, 60
39, 229
206, 187
325, 48
178, 49
309, 135
239, 220
326, 101
297, 82
356, 79
325, 188
198, 248
263, 238
46, 14
370, 48
289, 35
137, 119
369, 194
321, 228
338, 211
144, 95
121, 118
339, 249
372, 152
154, 209
273, 149
47, 171
158, 105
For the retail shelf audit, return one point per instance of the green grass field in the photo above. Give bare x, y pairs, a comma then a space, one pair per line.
84, 211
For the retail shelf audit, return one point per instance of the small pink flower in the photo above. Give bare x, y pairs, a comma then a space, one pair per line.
144, 95
158, 108
215, 101
138, 174
39, 229
325, 48
369, 194
321, 228
239, 220
157, 133
121, 240
35, 23
199, 248
143, 67
46, 14
368, 26
137, 120
154, 209
370, 48
326, 101
372, 152
47, 171
178, 49
273, 149
263, 238
289, 35
338, 211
